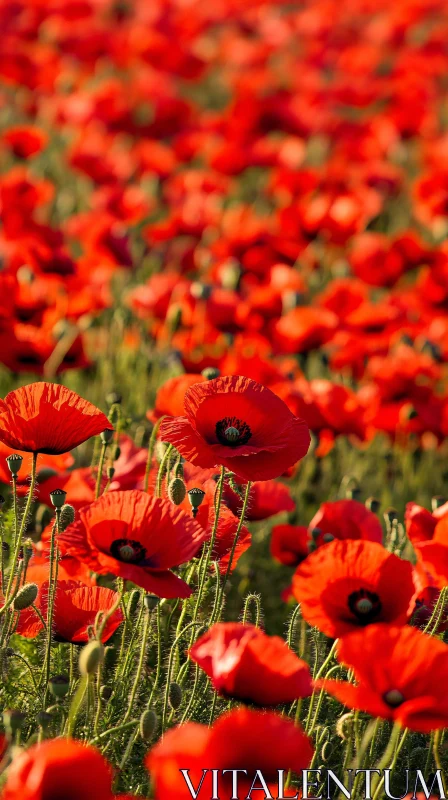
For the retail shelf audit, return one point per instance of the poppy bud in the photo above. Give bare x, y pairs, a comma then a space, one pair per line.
106, 436
26, 596
66, 517
195, 497
106, 693
110, 472
59, 685
354, 493
210, 373
373, 505
133, 602
177, 491
91, 657
44, 720
437, 501
175, 696
13, 721
57, 497
151, 601
148, 724
116, 453
14, 462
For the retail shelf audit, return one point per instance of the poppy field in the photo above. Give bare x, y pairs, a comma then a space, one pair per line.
223, 399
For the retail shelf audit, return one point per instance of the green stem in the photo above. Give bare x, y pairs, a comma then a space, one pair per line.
100, 470
140, 666
162, 468
8, 599
151, 448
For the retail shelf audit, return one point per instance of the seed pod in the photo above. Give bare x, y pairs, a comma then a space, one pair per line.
148, 724
13, 721
106, 693
177, 491
151, 601
44, 720
210, 373
26, 596
14, 462
175, 696
59, 685
66, 517
92, 655
106, 436
57, 497
195, 497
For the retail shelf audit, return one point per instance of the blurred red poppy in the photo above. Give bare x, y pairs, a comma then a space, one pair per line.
241, 739
48, 418
239, 424
75, 611
347, 584
290, 544
59, 768
346, 519
244, 663
401, 675
136, 537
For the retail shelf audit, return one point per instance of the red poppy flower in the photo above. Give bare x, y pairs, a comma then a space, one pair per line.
48, 418
344, 585
170, 397
267, 498
25, 140
241, 739
346, 519
290, 544
75, 611
421, 524
401, 675
59, 768
244, 663
136, 537
239, 424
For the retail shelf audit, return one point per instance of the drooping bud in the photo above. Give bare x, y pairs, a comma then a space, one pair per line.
106, 436
148, 724
91, 657
113, 399
14, 462
177, 491
373, 505
195, 497
151, 601
133, 602
59, 686
26, 596
66, 517
175, 696
210, 373
57, 497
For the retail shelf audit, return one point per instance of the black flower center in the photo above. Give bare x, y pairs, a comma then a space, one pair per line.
233, 432
365, 605
128, 550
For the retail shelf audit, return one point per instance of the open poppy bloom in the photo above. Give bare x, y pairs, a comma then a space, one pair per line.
401, 675
135, 537
345, 585
346, 519
48, 418
240, 424
75, 611
59, 768
243, 662
241, 739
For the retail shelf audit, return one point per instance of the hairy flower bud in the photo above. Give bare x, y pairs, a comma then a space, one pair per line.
148, 724
26, 596
66, 517
133, 602
92, 655
177, 491
175, 696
